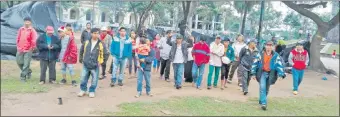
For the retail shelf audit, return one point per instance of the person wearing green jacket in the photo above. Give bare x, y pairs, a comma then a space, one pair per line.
230, 54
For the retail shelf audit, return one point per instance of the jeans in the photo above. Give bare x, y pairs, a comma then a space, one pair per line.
24, 61
118, 63
64, 66
297, 78
211, 71
140, 75
51, 70
264, 87
134, 60
165, 68
178, 73
156, 63
197, 79
85, 77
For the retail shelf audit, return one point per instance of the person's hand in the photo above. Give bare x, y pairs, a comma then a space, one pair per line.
141, 60
253, 77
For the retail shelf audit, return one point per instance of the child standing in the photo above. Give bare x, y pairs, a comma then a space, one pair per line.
144, 69
143, 50
68, 54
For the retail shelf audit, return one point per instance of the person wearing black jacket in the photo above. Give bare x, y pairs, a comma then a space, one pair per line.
49, 47
86, 34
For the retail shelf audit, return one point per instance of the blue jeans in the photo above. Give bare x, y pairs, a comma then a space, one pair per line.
297, 78
178, 73
264, 88
85, 77
118, 63
64, 66
197, 79
140, 75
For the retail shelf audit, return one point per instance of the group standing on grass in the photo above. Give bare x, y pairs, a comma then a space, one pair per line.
142, 55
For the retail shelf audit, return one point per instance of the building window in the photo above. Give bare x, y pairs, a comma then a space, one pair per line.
73, 14
199, 25
88, 15
103, 17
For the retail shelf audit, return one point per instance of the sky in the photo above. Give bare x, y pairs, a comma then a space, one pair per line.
285, 9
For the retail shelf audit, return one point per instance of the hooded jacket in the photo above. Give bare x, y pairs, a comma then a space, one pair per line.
71, 54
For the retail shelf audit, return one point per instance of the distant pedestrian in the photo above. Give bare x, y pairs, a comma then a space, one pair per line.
86, 34
132, 60
156, 62
299, 59
188, 65
49, 48
334, 54
165, 54
26, 44
106, 40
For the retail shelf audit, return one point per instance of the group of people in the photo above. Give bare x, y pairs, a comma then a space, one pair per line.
264, 65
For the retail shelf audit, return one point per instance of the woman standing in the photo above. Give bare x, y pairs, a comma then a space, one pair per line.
134, 46
188, 65
156, 62
229, 54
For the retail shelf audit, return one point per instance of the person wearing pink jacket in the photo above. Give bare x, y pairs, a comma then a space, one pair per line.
26, 43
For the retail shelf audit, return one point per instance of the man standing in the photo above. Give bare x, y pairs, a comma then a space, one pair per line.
178, 56
121, 50
106, 40
298, 58
237, 46
86, 34
247, 56
200, 54
164, 53
49, 47
266, 67
217, 51
92, 53
26, 43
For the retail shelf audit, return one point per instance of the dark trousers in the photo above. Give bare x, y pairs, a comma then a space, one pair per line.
134, 60
165, 68
111, 67
225, 71
51, 70
245, 77
188, 71
104, 66
233, 69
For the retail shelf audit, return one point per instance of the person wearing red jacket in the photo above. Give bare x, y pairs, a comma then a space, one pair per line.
201, 56
26, 43
68, 54
299, 59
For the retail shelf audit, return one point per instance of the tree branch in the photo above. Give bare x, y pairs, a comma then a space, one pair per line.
306, 13
309, 6
334, 21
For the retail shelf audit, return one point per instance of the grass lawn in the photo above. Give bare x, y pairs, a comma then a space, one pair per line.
10, 78
333, 47
207, 106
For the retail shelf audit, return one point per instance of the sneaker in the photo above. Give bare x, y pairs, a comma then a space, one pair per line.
102, 77
149, 94
168, 80
74, 83
41, 82
63, 81
91, 95
209, 87
112, 84
229, 81
225, 86
138, 95
245, 93
264, 107
120, 84
29, 75
52, 82
178, 87
222, 88
295, 92
81, 93
199, 88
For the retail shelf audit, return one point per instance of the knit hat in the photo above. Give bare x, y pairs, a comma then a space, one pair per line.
49, 29
61, 29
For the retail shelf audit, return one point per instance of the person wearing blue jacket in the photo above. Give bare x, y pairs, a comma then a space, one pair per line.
121, 50
230, 54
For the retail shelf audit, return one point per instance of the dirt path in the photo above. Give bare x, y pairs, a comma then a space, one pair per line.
108, 98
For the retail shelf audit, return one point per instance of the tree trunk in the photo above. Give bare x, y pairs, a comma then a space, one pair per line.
315, 61
186, 10
244, 18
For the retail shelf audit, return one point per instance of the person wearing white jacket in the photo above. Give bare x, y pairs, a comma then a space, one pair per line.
164, 54
217, 51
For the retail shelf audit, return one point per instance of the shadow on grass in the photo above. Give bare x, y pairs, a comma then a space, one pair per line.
10, 78
208, 106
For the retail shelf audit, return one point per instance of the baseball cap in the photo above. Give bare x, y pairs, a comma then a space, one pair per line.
49, 29
179, 36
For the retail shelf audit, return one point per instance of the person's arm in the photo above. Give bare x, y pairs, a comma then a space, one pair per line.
18, 36
34, 39
190, 43
82, 38
101, 55
56, 46
221, 51
81, 52
232, 56
290, 59
279, 67
307, 59
40, 44
241, 54
255, 64
150, 58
